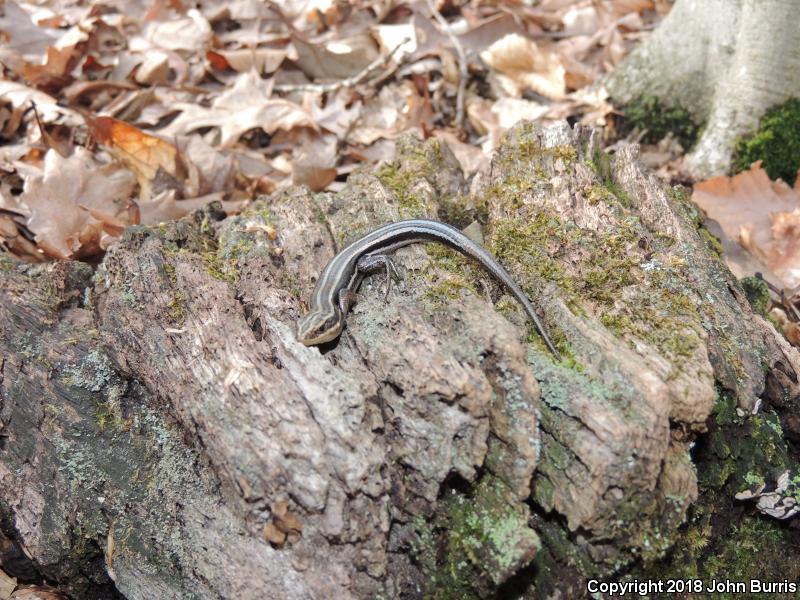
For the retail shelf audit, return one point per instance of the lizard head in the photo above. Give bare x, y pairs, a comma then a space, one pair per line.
319, 327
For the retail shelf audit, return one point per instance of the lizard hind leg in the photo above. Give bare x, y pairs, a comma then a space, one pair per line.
374, 262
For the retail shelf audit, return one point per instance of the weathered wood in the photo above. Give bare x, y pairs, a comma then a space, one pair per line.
163, 434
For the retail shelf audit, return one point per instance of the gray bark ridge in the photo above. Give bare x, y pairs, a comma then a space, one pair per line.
161, 427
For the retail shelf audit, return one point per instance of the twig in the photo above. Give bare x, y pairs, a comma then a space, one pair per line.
462, 63
787, 303
349, 82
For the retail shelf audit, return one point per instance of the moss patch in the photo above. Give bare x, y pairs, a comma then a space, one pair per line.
177, 308
461, 274
757, 293
739, 449
415, 162
476, 540
663, 312
776, 143
652, 116
725, 538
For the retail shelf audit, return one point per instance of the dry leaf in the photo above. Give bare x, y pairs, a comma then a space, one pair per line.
783, 257
274, 535
154, 69
315, 161
262, 60
15, 242
511, 111
386, 115
527, 65
191, 33
144, 154
54, 73
149, 63
399, 39
335, 116
790, 329
583, 20
216, 170
337, 59
26, 39
165, 207
495, 118
761, 214
792, 333
470, 157
624, 7
20, 97
54, 201
489, 31
245, 106
285, 525
36, 592
7, 585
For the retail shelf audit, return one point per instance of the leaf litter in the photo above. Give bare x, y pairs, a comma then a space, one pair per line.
115, 113
759, 225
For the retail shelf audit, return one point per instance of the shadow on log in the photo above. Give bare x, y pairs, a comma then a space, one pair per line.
163, 434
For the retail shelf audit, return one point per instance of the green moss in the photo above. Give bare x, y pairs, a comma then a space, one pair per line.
757, 292
738, 448
460, 274
637, 286
219, 268
459, 211
169, 271
721, 541
776, 143
524, 247
240, 249
754, 479
683, 203
475, 541
609, 192
109, 417
415, 162
711, 241
7, 262
736, 549
177, 306
260, 211
528, 149
650, 115
667, 317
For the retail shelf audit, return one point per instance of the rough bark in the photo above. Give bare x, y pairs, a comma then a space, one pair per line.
163, 434
725, 61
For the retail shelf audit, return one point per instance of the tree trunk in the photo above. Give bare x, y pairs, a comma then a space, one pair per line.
163, 434
725, 61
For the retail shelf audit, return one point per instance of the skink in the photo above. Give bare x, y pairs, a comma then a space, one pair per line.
335, 289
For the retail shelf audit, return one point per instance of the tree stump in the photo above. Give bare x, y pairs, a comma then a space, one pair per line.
164, 435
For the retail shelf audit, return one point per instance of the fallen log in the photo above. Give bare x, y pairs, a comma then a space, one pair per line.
164, 435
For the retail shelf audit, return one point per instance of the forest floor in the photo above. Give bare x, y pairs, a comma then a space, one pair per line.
116, 113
